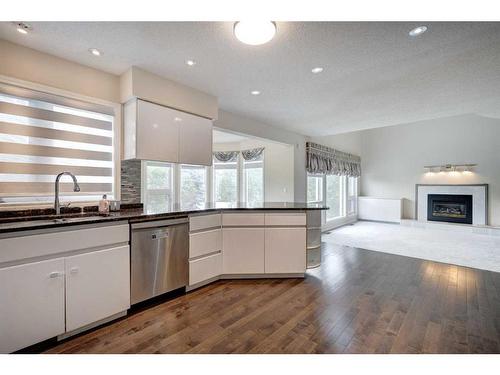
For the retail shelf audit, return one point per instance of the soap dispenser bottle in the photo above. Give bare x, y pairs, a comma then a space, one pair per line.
104, 205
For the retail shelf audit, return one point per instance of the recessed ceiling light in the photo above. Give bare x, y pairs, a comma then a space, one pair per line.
190, 62
254, 32
317, 70
418, 31
95, 51
255, 92
23, 28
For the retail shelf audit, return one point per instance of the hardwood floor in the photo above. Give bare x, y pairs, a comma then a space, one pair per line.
358, 301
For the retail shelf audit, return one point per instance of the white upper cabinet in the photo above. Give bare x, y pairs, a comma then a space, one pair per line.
155, 132
195, 139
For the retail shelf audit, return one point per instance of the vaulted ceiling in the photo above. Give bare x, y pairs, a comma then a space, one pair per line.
374, 74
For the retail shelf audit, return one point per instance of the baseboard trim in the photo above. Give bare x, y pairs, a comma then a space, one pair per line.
91, 325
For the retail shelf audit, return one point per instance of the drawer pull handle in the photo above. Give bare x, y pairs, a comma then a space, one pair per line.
55, 274
73, 270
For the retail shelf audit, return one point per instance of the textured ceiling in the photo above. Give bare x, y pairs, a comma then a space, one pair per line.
374, 73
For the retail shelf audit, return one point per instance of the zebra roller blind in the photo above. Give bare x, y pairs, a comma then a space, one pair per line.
42, 135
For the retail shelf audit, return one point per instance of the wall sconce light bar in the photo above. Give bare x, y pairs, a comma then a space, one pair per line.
450, 168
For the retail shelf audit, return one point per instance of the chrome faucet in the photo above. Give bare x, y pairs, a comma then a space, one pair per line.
76, 188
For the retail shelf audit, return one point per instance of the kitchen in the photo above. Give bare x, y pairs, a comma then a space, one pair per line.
91, 264
249, 182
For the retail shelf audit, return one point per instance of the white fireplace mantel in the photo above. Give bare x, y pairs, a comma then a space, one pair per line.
479, 199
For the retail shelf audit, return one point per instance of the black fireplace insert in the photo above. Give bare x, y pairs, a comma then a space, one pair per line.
452, 208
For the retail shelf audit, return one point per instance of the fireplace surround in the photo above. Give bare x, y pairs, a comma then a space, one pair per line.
479, 193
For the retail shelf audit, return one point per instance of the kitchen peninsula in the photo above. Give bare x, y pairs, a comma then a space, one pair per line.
61, 275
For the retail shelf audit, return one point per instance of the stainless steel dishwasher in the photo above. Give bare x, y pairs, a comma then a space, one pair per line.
159, 258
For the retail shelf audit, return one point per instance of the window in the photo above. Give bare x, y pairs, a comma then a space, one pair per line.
352, 195
334, 195
42, 135
314, 189
226, 181
254, 180
339, 193
158, 195
191, 186
193, 189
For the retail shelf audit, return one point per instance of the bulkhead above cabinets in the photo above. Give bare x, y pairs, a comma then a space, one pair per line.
156, 132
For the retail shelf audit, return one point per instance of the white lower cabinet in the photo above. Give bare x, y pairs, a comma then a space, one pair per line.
31, 303
97, 286
205, 268
243, 250
285, 250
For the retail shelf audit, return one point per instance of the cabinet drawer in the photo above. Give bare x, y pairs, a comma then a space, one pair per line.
243, 219
204, 222
37, 245
205, 268
286, 219
203, 243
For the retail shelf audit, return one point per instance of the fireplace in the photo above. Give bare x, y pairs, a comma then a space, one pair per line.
451, 208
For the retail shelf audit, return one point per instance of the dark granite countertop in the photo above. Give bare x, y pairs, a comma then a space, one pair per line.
14, 221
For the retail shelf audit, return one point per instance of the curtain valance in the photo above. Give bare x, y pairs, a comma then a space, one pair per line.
226, 156
322, 159
231, 156
253, 154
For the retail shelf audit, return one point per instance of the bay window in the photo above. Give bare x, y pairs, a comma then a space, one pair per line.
226, 180
158, 193
193, 186
254, 180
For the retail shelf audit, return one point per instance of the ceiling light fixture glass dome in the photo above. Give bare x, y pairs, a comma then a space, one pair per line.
254, 32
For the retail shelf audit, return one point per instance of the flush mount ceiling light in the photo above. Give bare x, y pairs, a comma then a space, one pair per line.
95, 51
23, 28
317, 70
190, 62
254, 32
255, 92
418, 31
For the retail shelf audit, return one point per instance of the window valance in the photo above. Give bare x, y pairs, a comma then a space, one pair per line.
253, 154
322, 159
231, 156
226, 156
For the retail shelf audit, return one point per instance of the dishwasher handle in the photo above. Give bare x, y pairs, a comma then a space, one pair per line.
159, 235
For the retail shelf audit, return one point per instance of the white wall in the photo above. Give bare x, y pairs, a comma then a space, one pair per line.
392, 158
245, 125
278, 167
38, 67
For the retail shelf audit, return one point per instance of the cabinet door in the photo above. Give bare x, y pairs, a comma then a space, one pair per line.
97, 286
31, 303
157, 131
243, 250
195, 140
285, 250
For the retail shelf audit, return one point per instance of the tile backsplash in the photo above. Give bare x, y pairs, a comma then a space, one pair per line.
131, 181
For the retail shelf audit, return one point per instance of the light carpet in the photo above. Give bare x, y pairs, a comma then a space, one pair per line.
463, 249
